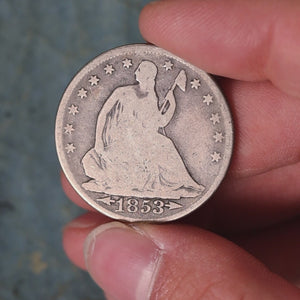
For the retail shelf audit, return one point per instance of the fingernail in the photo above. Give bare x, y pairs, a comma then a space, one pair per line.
122, 261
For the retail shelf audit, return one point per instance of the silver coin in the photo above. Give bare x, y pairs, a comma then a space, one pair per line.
142, 135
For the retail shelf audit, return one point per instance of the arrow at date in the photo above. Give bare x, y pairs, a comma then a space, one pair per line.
107, 200
172, 205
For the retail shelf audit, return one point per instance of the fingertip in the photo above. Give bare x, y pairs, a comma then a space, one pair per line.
154, 23
75, 234
122, 261
145, 17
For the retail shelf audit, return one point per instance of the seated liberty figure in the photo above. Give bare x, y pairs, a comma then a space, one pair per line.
132, 156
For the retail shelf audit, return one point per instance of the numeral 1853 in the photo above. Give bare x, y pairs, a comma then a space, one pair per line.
133, 205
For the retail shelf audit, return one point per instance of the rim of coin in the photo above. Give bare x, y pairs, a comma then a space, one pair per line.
73, 92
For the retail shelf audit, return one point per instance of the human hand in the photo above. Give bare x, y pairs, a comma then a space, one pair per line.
256, 45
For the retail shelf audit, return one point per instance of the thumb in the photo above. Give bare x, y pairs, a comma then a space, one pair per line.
176, 262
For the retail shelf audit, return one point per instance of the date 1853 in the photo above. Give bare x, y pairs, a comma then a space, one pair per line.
134, 205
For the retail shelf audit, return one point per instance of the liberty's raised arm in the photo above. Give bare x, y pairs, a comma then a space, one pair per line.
168, 108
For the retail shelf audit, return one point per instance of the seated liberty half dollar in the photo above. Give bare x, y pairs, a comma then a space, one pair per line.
143, 135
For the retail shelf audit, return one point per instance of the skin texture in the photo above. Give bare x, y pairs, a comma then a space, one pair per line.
244, 242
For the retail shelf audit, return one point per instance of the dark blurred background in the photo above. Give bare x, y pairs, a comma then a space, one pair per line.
42, 45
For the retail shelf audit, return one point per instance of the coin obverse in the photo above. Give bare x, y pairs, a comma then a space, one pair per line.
142, 135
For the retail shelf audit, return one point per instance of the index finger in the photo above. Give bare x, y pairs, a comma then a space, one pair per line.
247, 40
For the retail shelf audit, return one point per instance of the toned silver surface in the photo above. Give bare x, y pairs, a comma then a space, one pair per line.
143, 135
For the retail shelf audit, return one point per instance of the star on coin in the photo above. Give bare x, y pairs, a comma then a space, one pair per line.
195, 84
73, 110
208, 99
70, 148
218, 137
127, 63
109, 69
82, 93
168, 65
69, 128
215, 118
94, 80
215, 157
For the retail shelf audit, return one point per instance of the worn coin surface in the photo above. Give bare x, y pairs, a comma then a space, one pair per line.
142, 135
